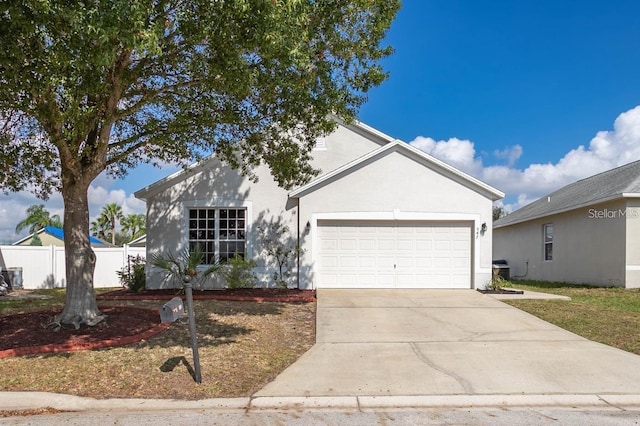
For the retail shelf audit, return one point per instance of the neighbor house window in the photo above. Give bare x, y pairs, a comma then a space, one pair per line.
548, 241
220, 233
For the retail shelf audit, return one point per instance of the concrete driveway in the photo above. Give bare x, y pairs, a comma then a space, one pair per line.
446, 342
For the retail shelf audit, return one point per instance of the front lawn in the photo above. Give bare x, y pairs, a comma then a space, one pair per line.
606, 315
242, 346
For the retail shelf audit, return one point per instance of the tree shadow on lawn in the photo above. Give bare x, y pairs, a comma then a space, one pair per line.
209, 333
227, 308
213, 307
170, 365
211, 326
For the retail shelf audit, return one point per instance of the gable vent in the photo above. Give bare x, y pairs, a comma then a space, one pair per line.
321, 143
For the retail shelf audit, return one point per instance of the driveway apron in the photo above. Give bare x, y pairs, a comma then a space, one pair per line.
446, 342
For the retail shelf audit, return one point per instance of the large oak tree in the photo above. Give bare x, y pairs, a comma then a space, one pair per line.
104, 85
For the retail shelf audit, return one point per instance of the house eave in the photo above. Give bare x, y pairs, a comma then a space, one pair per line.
571, 208
489, 191
149, 190
22, 240
368, 129
157, 186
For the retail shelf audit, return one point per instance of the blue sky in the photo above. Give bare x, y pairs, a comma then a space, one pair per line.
525, 95
543, 74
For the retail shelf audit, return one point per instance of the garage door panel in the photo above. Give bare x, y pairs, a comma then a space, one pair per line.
327, 245
461, 246
443, 245
460, 262
329, 262
424, 262
348, 244
367, 244
403, 262
424, 245
367, 262
406, 245
386, 244
348, 262
385, 279
394, 254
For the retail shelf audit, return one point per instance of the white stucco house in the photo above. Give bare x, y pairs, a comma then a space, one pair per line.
381, 214
587, 232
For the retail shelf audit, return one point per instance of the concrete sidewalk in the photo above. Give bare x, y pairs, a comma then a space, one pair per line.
17, 401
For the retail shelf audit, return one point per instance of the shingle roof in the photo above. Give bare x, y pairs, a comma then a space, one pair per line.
614, 183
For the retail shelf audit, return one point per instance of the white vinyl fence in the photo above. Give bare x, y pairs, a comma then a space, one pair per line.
43, 267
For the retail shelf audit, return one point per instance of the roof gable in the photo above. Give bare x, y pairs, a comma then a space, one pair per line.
621, 182
56, 233
376, 137
59, 233
385, 144
417, 154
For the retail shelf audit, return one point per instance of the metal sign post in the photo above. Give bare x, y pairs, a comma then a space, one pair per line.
192, 328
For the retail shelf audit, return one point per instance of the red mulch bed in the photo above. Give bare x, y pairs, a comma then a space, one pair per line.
26, 334
277, 295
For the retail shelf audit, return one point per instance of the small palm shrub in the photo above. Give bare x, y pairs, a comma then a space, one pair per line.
184, 266
238, 272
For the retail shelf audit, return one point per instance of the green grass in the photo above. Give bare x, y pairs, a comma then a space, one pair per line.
602, 314
55, 299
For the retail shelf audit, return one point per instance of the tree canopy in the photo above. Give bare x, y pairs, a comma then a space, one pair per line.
110, 84
89, 86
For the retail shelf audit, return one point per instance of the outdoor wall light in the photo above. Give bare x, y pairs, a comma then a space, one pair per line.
483, 228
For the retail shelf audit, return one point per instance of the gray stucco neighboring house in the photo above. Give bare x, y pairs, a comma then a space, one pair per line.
587, 232
381, 214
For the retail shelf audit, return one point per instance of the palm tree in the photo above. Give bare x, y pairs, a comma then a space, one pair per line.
184, 266
110, 216
37, 218
134, 224
99, 228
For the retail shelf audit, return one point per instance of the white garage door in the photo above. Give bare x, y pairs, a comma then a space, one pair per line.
392, 254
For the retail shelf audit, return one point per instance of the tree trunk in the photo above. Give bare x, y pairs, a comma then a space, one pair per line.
80, 305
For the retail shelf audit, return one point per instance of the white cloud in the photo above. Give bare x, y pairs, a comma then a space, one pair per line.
99, 196
511, 154
608, 149
459, 153
13, 207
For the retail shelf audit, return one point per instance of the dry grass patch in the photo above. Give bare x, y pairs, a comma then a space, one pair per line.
243, 346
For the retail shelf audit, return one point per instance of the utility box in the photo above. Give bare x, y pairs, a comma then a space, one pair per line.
13, 277
501, 269
172, 310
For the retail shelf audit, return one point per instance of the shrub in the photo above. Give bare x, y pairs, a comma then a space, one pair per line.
133, 277
238, 272
186, 266
281, 249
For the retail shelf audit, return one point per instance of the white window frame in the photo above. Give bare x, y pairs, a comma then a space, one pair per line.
216, 239
547, 242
